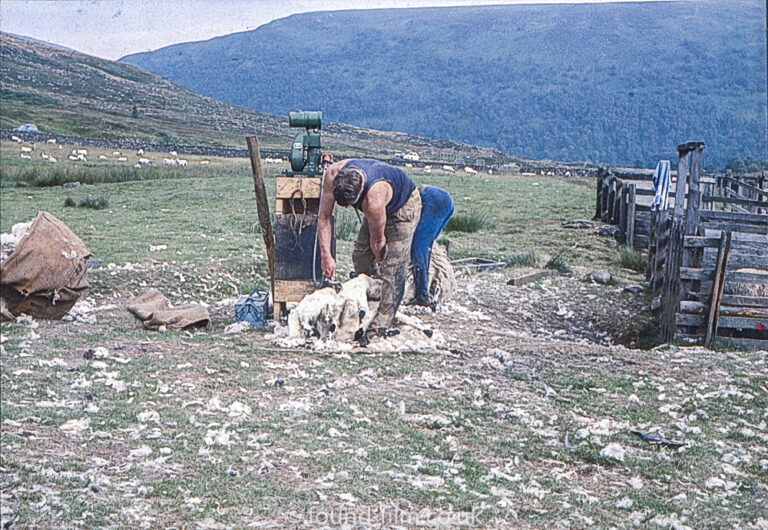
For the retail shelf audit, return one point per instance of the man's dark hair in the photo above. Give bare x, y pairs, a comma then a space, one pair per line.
346, 186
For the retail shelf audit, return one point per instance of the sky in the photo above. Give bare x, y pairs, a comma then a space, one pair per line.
114, 28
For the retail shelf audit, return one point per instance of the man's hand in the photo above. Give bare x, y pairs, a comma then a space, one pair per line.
329, 267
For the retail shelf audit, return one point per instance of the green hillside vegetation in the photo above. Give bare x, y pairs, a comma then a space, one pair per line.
608, 83
66, 92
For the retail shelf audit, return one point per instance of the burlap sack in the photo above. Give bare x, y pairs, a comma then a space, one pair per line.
47, 273
154, 311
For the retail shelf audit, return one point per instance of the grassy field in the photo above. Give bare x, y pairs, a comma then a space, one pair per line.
212, 430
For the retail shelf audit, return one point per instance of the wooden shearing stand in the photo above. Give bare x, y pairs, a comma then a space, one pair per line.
295, 264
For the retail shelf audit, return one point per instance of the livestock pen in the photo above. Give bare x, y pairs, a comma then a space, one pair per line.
708, 258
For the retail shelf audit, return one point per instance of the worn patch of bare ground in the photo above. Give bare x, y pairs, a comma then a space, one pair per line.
523, 417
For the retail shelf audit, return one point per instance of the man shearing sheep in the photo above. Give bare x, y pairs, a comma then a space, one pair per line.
395, 231
392, 207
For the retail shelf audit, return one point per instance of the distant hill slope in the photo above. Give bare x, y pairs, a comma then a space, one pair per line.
609, 83
66, 92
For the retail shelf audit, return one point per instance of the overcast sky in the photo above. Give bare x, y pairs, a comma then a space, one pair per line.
114, 28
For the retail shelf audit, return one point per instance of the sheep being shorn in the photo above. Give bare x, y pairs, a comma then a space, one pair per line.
328, 314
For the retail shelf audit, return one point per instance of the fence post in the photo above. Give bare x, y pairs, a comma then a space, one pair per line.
694, 194
630, 238
682, 181
599, 194
623, 194
652, 235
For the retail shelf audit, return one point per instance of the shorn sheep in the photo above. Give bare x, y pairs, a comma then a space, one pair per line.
328, 314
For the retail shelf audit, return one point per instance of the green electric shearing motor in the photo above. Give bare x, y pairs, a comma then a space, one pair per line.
306, 158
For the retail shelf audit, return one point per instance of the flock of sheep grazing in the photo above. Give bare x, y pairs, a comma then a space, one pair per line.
81, 155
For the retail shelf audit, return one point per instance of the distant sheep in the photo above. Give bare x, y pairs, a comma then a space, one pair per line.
51, 141
102, 157
16, 139
25, 157
470, 170
83, 152
174, 153
116, 153
181, 162
25, 149
169, 162
122, 159
144, 162
140, 152
204, 162
51, 160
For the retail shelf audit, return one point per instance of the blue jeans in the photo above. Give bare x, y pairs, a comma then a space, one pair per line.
436, 208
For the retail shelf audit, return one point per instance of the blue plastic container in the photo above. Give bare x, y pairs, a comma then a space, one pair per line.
253, 308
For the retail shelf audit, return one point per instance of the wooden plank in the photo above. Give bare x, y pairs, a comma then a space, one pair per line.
687, 319
623, 196
715, 215
671, 288
694, 307
640, 242
682, 180
735, 227
745, 185
730, 300
740, 243
652, 249
735, 200
292, 290
688, 273
527, 278
262, 204
598, 195
749, 344
297, 187
694, 195
717, 288
604, 199
738, 260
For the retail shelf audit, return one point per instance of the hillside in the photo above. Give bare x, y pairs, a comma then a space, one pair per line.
70, 93
608, 83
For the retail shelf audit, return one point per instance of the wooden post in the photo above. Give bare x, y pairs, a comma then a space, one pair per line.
262, 206
604, 198
672, 286
694, 194
717, 288
653, 234
611, 198
623, 194
598, 194
631, 199
682, 180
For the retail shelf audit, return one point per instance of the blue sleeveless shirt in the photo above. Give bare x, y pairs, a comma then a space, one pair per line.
402, 185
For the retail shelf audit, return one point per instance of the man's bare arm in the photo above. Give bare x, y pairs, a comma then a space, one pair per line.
375, 209
325, 211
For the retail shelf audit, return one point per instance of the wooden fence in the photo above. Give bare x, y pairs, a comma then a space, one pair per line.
708, 258
626, 203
